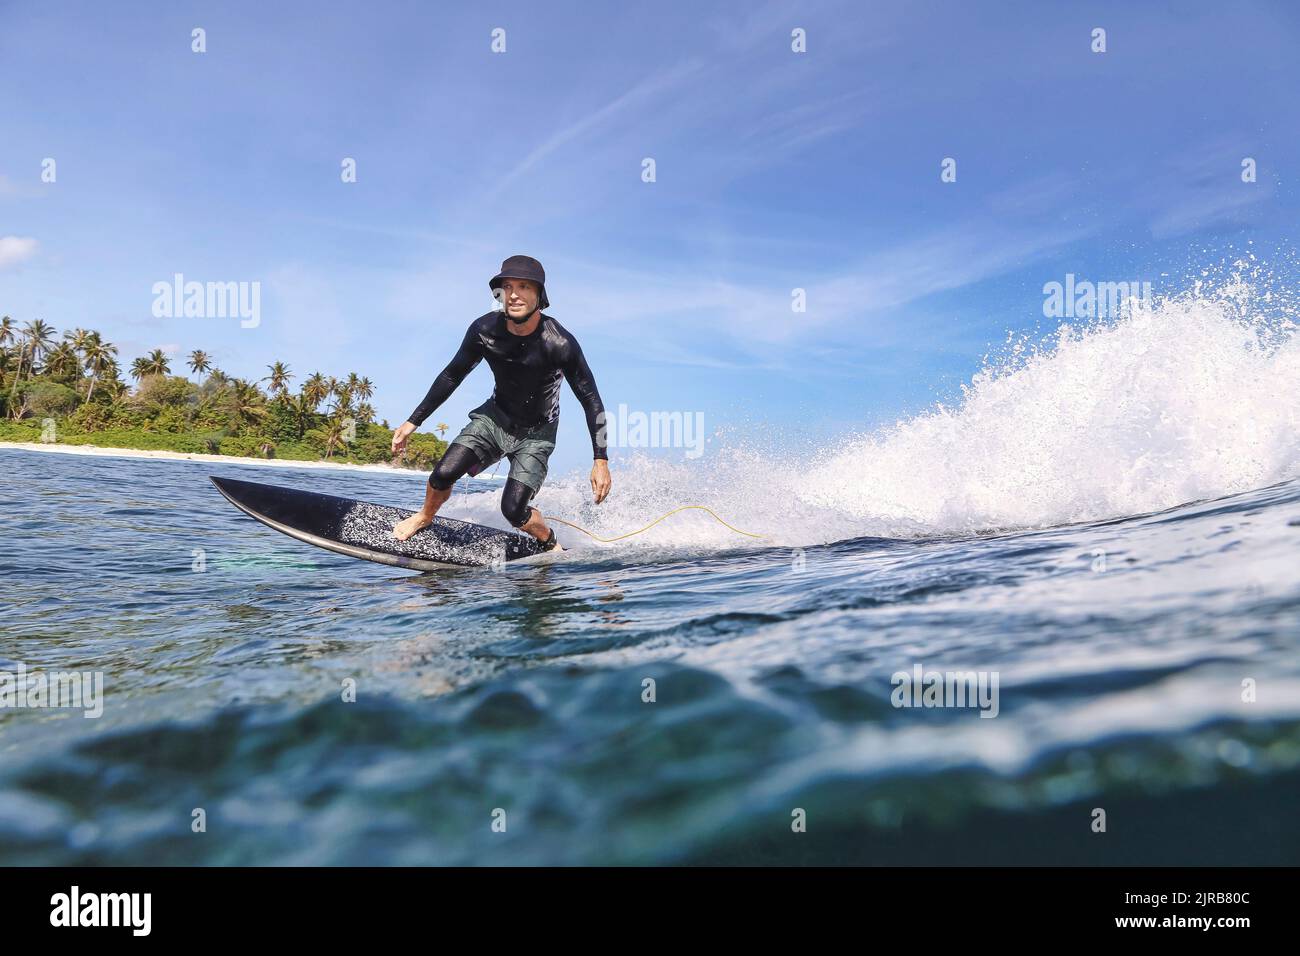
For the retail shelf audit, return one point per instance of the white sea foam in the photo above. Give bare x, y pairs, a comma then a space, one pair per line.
1188, 398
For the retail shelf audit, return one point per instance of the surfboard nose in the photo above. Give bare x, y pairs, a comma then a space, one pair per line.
233, 488
229, 484
274, 502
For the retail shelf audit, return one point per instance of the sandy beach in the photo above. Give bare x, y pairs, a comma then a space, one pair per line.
216, 459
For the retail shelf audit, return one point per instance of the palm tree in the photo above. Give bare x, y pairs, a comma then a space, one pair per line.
6, 336
199, 362
300, 409
279, 377
139, 368
157, 363
79, 339
20, 353
63, 361
441, 428
365, 412
39, 339
342, 401
36, 338
334, 436
247, 403
365, 389
99, 358
112, 378
314, 390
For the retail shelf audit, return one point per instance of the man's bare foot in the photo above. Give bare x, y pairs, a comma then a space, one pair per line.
408, 526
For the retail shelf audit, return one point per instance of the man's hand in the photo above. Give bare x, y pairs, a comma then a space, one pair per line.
600, 480
404, 431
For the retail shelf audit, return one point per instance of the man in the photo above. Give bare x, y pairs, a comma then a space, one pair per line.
528, 353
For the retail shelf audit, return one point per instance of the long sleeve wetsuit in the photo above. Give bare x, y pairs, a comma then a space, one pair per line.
528, 369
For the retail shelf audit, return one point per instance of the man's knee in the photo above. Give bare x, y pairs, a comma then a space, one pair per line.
442, 478
516, 510
449, 470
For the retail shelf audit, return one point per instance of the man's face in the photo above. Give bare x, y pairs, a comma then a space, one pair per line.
519, 296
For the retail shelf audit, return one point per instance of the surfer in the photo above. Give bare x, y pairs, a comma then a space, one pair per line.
529, 353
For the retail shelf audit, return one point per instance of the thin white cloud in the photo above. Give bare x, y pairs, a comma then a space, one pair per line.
644, 92
753, 317
956, 257
1202, 209
15, 250
21, 189
729, 83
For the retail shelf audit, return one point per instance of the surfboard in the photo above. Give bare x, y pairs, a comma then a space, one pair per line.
364, 530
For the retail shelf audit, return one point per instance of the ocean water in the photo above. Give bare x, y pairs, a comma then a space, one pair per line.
1107, 525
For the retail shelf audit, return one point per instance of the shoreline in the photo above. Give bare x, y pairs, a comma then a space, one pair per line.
163, 455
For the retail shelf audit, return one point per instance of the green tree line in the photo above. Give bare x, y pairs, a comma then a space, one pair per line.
76, 381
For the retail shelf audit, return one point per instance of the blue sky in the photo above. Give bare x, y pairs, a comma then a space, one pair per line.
775, 171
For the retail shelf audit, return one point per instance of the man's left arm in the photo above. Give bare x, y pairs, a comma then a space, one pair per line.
578, 374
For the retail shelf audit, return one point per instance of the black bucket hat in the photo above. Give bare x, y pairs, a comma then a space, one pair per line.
523, 267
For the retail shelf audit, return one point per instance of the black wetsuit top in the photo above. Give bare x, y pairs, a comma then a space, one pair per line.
528, 369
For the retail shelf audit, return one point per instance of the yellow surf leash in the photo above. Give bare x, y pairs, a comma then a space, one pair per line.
652, 524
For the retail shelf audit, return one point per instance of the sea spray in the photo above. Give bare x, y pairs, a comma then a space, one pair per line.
1182, 399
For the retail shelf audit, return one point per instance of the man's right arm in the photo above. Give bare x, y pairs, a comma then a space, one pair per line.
462, 363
